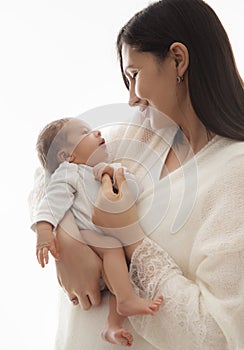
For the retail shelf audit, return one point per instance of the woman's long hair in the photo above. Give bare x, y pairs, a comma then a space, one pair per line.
215, 86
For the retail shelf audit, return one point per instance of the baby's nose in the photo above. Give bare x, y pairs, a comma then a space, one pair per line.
97, 133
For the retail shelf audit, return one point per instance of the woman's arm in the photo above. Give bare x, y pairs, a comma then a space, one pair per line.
79, 270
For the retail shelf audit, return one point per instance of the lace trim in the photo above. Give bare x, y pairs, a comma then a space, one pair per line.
150, 265
182, 322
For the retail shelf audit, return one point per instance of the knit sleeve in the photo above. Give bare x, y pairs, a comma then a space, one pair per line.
205, 311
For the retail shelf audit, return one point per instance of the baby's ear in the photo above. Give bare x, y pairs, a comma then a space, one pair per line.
63, 156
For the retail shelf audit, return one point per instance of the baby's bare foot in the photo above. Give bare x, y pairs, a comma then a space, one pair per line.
139, 306
116, 335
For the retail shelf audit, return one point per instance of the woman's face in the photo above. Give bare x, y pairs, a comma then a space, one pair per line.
150, 81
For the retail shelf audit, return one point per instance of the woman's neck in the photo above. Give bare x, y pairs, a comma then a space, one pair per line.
195, 132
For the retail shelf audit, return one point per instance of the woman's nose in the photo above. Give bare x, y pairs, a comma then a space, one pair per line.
134, 100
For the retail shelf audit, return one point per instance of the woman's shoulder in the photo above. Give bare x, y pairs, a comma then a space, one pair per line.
221, 151
233, 151
221, 161
226, 143
227, 163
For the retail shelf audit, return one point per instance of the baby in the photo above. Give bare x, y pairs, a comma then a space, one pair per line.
75, 156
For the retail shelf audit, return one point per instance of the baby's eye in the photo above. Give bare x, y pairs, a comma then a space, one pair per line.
134, 74
85, 131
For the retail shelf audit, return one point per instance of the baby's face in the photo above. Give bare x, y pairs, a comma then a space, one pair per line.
88, 145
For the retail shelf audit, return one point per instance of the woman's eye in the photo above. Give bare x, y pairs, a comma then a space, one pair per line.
134, 75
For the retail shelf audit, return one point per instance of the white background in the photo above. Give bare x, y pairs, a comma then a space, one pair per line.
57, 58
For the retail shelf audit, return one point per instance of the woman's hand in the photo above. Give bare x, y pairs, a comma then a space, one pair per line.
116, 213
79, 270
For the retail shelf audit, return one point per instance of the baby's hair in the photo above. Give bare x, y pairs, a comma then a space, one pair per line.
48, 144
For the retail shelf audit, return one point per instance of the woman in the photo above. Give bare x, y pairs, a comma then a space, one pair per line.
176, 58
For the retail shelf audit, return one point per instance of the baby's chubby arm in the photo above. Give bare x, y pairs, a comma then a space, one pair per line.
46, 241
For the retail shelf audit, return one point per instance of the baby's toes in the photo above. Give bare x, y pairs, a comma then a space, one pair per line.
128, 337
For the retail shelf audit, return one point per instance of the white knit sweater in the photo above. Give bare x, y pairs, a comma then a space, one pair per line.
195, 215
200, 269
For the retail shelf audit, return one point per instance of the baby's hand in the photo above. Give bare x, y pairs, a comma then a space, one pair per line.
103, 168
46, 241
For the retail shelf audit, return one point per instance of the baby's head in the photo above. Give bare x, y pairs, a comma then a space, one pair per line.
71, 140
49, 143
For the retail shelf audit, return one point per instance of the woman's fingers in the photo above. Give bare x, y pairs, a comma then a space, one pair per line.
86, 300
83, 301
76, 298
95, 297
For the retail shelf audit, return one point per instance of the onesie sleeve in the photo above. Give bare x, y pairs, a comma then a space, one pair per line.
59, 195
205, 311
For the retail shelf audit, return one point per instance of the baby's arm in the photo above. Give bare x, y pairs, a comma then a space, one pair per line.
59, 197
46, 241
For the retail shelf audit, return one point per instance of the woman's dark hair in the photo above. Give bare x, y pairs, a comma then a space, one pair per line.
215, 86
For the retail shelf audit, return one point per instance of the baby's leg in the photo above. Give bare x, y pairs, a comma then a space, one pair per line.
113, 331
128, 303
116, 270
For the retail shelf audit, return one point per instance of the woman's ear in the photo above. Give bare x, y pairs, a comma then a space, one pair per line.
63, 156
181, 56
